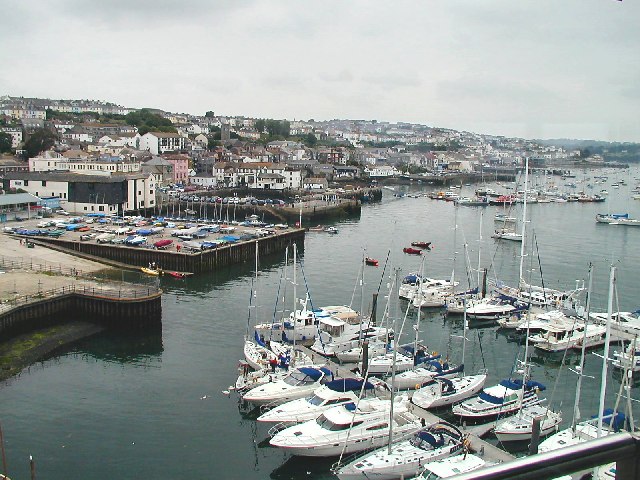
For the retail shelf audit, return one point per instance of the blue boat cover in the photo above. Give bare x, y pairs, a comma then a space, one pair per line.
411, 278
614, 419
490, 398
516, 384
315, 373
350, 406
430, 439
348, 385
259, 340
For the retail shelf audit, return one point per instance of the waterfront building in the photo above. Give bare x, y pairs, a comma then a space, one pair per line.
83, 193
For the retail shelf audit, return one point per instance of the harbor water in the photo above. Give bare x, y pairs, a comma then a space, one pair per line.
151, 404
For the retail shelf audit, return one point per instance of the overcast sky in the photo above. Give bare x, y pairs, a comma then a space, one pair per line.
528, 68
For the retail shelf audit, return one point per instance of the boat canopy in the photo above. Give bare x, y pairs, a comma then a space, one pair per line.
348, 385
516, 384
412, 278
315, 373
430, 439
332, 321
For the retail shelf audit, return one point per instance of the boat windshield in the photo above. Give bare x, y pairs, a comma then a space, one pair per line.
315, 400
298, 378
327, 424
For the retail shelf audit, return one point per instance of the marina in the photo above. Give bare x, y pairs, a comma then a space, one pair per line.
204, 317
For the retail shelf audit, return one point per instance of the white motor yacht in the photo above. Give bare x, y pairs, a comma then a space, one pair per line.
425, 374
520, 426
338, 333
336, 392
557, 337
405, 459
348, 429
500, 400
625, 322
354, 354
413, 281
445, 392
629, 357
299, 383
489, 309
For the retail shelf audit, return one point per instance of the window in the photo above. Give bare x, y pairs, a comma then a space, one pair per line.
85, 208
26, 183
44, 183
101, 208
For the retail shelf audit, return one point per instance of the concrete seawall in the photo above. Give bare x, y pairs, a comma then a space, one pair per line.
128, 308
198, 262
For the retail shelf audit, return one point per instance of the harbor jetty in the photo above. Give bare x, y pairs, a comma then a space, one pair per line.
49, 299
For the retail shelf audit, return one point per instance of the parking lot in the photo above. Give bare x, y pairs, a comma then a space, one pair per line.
178, 234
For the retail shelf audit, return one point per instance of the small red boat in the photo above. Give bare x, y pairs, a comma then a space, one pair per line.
163, 243
412, 251
371, 261
176, 274
421, 244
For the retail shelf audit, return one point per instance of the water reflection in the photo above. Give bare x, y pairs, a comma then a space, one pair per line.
138, 347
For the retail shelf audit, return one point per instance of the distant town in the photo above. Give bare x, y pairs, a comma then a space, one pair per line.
95, 156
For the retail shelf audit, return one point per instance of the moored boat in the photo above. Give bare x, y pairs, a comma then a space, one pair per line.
406, 458
371, 261
412, 251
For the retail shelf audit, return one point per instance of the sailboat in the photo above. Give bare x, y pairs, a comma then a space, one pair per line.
521, 426
610, 419
404, 459
446, 392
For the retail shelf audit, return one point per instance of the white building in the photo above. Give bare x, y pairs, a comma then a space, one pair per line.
381, 171
16, 135
161, 142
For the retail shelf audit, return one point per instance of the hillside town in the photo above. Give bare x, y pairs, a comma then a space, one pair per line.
95, 156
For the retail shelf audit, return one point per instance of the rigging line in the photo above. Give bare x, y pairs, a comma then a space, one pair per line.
246, 335
384, 269
544, 291
484, 365
275, 307
359, 278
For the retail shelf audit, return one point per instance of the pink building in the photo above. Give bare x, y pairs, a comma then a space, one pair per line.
180, 167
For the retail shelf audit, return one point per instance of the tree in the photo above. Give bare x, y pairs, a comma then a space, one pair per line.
310, 140
42, 139
209, 114
259, 125
5, 142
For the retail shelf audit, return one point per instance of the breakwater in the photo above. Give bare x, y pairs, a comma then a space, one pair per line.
182, 261
124, 306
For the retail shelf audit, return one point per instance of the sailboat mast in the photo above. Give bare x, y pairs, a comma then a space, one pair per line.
393, 367
576, 407
295, 293
479, 248
524, 216
607, 341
